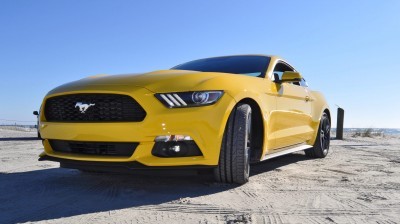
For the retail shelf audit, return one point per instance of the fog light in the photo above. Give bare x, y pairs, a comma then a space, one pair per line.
172, 138
175, 149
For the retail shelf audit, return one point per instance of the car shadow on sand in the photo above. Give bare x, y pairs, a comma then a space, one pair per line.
275, 163
55, 193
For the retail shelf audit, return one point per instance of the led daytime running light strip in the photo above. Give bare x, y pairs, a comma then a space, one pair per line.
173, 99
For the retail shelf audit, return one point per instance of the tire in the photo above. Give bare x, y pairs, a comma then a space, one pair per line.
321, 145
234, 159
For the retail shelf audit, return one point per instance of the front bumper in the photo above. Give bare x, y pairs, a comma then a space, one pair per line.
205, 125
120, 167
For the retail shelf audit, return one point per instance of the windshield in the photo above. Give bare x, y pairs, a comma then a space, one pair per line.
243, 65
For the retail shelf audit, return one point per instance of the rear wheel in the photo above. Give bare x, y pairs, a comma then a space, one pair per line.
234, 159
321, 145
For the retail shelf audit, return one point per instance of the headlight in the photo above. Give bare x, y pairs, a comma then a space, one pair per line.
189, 99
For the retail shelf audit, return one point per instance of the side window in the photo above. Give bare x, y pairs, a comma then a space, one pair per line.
303, 83
280, 68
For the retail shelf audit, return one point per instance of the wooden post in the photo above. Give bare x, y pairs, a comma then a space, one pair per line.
339, 125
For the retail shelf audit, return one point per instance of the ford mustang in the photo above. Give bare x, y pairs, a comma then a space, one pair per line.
221, 113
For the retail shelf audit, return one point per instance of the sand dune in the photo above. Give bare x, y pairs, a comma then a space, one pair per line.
359, 182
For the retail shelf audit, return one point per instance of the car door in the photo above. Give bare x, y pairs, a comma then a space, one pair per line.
293, 111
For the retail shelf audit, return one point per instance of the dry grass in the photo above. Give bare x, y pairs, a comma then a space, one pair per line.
369, 133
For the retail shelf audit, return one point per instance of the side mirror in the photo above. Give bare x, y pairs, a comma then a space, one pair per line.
35, 113
291, 77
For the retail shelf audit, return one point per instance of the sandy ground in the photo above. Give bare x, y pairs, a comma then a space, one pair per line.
359, 182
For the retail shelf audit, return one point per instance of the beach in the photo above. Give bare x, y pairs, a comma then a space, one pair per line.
358, 182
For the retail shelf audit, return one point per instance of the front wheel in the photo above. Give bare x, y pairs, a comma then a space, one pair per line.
234, 159
321, 145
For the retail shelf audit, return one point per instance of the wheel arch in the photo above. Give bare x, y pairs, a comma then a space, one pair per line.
257, 125
319, 107
327, 111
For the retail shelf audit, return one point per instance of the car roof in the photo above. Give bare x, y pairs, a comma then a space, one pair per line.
235, 55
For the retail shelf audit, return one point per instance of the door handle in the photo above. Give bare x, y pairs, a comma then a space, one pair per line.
307, 98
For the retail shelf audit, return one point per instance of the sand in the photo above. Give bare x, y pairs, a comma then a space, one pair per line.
359, 182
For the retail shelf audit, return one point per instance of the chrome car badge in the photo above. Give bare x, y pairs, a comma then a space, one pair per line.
83, 106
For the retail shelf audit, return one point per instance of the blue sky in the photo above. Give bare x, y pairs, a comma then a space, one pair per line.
347, 49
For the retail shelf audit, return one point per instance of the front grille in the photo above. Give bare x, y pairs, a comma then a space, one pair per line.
93, 108
94, 148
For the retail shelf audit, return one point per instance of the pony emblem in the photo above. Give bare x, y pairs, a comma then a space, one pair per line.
83, 106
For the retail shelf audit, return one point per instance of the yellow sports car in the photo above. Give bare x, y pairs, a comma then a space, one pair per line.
221, 113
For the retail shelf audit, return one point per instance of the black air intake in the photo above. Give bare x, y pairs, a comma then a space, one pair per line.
94, 148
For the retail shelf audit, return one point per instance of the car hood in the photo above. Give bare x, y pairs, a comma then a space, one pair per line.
158, 81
